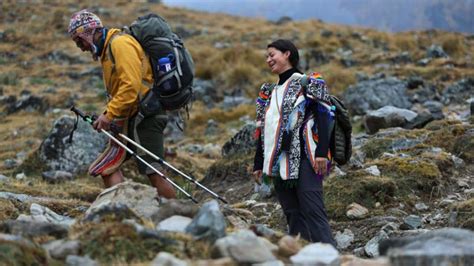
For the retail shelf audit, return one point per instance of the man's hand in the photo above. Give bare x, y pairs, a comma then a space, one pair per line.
321, 165
102, 122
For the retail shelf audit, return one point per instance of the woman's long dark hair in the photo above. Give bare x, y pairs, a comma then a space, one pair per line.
286, 45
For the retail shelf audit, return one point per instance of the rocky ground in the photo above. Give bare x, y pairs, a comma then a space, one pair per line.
405, 197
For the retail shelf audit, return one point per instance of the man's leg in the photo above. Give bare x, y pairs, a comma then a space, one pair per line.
150, 135
164, 188
113, 179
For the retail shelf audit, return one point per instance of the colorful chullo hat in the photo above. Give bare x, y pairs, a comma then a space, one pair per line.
83, 24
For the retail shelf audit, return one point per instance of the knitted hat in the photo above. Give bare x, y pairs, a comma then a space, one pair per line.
83, 24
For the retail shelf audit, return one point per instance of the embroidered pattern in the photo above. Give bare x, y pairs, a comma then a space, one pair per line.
286, 164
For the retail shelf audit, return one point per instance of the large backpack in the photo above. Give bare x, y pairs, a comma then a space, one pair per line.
158, 41
340, 141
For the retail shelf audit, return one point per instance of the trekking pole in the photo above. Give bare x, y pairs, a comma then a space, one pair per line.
90, 121
161, 161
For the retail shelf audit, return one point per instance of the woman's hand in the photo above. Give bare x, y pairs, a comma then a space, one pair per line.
321, 165
257, 176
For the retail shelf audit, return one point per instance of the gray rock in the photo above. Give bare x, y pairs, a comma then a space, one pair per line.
318, 254
54, 177
168, 259
387, 116
344, 239
459, 91
175, 223
373, 170
356, 211
10, 163
437, 250
28, 103
33, 229
244, 247
205, 91
411, 222
58, 154
459, 235
241, 143
421, 206
402, 58
234, 101
423, 62
20, 176
173, 207
20, 197
137, 198
60, 249
212, 128
43, 214
73, 260
435, 108
372, 247
420, 120
373, 94
3, 179
209, 224
436, 51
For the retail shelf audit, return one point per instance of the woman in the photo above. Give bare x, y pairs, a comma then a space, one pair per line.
293, 142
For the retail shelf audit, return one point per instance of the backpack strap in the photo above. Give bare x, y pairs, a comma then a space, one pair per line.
110, 55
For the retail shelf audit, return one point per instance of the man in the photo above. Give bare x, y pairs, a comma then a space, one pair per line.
126, 69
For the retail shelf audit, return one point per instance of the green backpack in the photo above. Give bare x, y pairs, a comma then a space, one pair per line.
172, 88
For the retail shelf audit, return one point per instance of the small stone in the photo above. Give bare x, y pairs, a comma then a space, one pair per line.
378, 204
463, 184
356, 211
421, 206
316, 254
411, 222
373, 170
288, 246
175, 223
344, 239
20, 176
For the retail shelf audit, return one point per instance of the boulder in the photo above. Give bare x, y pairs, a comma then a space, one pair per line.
376, 93
57, 154
127, 197
447, 246
387, 116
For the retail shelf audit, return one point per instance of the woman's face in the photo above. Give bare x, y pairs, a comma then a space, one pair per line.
277, 60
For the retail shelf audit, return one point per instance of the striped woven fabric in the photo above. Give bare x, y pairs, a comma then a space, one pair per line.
112, 157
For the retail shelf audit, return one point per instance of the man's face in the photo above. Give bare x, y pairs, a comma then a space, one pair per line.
81, 43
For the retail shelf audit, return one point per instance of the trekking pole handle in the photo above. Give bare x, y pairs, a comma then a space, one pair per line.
80, 113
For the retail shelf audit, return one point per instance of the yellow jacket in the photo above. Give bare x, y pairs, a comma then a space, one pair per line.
124, 79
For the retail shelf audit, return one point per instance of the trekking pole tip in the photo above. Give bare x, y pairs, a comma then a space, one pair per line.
223, 200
